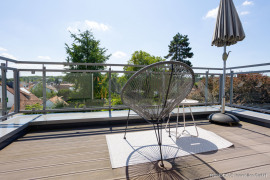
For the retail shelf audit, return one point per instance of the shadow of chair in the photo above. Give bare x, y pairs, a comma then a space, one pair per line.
185, 167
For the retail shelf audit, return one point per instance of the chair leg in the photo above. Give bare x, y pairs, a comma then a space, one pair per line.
194, 121
127, 123
169, 129
158, 132
176, 135
184, 117
168, 123
168, 120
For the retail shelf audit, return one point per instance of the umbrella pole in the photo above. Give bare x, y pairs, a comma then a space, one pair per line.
223, 117
224, 57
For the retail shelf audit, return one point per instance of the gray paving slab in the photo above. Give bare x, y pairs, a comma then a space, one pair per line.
12, 125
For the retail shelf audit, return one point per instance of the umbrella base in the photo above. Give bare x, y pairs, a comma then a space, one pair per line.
225, 118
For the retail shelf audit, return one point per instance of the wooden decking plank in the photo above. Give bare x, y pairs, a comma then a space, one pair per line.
52, 147
54, 170
102, 174
94, 154
238, 164
260, 172
55, 152
41, 144
41, 162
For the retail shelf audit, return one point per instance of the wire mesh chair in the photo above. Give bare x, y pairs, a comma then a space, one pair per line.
154, 91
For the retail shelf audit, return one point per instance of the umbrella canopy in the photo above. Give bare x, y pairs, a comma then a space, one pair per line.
228, 28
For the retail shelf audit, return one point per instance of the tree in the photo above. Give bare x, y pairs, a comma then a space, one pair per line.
179, 49
137, 58
251, 89
85, 49
38, 91
64, 93
141, 58
248, 89
36, 106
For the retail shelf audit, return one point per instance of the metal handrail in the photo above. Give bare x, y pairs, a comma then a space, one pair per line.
87, 64
105, 64
93, 71
248, 66
251, 72
7, 68
65, 63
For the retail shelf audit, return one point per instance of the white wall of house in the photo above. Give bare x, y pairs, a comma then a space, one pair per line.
10, 98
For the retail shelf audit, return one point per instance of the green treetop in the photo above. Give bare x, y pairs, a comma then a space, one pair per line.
141, 58
86, 49
179, 49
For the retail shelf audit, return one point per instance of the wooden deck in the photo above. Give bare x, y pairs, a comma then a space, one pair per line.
83, 154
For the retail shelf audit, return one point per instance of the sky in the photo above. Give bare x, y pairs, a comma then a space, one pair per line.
37, 30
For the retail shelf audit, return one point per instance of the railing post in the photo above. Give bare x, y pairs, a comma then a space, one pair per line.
212, 97
206, 87
16, 91
231, 89
110, 89
220, 88
4, 89
44, 87
92, 93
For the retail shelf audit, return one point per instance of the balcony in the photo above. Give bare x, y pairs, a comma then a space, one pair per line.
45, 135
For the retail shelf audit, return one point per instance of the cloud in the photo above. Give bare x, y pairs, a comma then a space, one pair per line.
244, 13
96, 25
119, 54
3, 49
8, 56
84, 25
44, 57
212, 13
247, 3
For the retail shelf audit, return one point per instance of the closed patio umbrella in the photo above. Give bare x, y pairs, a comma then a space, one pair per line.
228, 31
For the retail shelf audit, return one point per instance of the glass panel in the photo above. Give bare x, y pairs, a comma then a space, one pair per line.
77, 90
118, 82
31, 93
227, 88
10, 91
57, 91
1, 93
199, 90
252, 90
213, 89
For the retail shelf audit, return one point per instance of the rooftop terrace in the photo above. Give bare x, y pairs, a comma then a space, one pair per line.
82, 153
68, 142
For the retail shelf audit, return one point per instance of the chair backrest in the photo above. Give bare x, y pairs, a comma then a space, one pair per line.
155, 90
